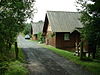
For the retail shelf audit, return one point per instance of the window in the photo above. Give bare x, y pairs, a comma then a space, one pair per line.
66, 36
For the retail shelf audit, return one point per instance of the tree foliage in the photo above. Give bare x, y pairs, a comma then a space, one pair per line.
13, 14
90, 10
27, 29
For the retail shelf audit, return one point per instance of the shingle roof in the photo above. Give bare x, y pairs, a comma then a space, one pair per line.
37, 27
61, 21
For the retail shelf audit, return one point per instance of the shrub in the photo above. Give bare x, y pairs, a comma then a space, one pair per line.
40, 38
98, 53
3, 67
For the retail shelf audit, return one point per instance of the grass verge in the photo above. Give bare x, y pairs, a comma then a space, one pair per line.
21, 55
16, 68
91, 66
11, 66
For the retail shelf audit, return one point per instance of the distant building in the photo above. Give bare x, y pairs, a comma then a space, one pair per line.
61, 29
37, 27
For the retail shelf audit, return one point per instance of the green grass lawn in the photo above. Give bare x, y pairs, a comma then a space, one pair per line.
11, 66
17, 67
21, 56
91, 66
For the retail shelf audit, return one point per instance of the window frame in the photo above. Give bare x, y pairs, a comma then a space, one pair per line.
66, 36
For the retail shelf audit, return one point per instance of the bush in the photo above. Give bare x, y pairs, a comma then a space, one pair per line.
3, 67
16, 68
40, 38
98, 53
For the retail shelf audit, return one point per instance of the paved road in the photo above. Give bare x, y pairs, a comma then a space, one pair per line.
42, 61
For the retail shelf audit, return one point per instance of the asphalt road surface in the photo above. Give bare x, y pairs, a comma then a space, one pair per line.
41, 61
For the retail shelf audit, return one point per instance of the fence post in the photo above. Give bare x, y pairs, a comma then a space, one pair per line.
16, 50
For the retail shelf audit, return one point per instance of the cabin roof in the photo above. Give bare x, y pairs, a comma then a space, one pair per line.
62, 21
37, 27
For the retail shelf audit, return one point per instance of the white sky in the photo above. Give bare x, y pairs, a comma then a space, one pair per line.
53, 5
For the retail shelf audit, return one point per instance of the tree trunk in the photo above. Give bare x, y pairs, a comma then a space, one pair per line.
89, 54
94, 51
93, 55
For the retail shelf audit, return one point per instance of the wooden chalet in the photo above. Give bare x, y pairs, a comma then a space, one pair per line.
37, 27
61, 29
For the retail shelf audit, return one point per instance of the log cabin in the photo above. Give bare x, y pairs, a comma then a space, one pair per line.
62, 29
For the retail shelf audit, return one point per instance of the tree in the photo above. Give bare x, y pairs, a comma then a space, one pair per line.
13, 14
90, 10
27, 29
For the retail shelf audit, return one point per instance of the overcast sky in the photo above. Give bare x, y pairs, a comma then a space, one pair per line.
52, 5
